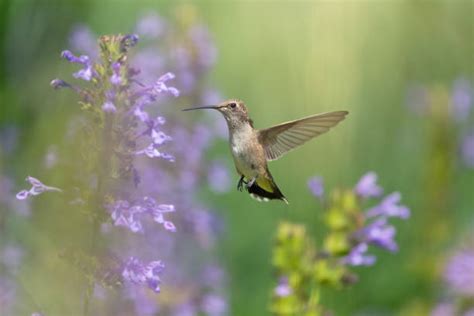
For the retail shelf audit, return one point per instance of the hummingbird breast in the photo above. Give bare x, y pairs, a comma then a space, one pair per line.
248, 154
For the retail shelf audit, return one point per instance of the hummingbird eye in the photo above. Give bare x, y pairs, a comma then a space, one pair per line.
233, 105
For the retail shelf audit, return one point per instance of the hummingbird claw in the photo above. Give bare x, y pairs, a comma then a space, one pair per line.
240, 184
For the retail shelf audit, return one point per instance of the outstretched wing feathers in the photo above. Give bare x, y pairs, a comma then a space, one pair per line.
282, 138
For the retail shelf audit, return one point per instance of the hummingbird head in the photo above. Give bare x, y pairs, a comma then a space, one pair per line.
234, 111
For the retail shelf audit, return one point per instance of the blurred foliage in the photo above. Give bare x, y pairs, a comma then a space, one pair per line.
285, 60
294, 257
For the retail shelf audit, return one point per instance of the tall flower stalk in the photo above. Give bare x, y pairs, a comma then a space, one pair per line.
448, 116
121, 130
303, 267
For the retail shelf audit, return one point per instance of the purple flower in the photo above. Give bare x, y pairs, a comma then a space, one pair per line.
357, 256
143, 274
128, 41
283, 288
130, 215
152, 152
367, 186
160, 85
388, 207
125, 215
70, 57
141, 115
467, 149
316, 186
169, 226
116, 79
459, 272
461, 99
157, 137
36, 189
158, 211
378, 233
85, 73
109, 107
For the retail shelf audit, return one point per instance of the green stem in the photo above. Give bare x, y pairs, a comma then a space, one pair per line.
103, 171
313, 300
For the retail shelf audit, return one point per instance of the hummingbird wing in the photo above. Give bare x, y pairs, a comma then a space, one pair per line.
280, 139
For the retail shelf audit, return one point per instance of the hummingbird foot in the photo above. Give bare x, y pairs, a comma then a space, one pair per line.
251, 182
240, 185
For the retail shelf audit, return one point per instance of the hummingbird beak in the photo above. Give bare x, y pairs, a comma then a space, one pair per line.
213, 107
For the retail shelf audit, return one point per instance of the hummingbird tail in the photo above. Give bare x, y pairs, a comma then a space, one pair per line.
265, 189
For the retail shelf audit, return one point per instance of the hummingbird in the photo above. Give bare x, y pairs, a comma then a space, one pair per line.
252, 148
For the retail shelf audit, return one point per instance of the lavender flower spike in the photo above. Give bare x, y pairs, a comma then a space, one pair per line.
367, 186
36, 189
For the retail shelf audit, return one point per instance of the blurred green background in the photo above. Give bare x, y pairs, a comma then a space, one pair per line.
287, 60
